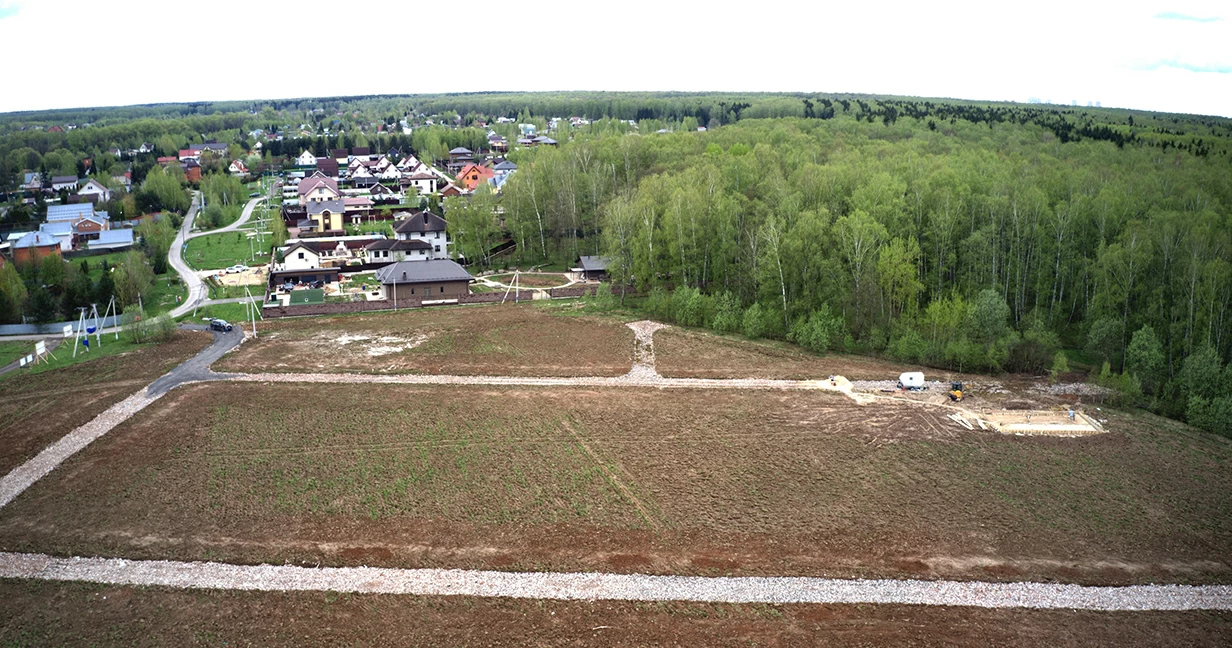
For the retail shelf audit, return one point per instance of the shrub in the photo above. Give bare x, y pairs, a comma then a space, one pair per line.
1060, 365
909, 347
728, 315
821, 331
753, 324
139, 328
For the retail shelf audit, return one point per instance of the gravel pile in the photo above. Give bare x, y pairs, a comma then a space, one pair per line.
1077, 389
622, 587
881, 385
17, 481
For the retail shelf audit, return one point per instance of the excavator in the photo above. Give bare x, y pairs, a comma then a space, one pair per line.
956, 391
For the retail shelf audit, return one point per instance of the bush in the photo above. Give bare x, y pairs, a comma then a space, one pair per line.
139, 329
821, 331
753, 324
909, 347
1030, 356
603, 299
1060, 365
728, 315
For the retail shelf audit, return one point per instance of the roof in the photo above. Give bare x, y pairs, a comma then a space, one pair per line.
36, 239
360, 150
308, 184
63, 179
420, 223
461, 150
395, 245
69, 212
60, 228
338, 153
422, 271
360, 201
114, 237
299, 246
505, 165
305, 223
594, 263
332, 206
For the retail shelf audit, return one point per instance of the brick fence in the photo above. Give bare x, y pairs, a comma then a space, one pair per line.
487, 298
338, 308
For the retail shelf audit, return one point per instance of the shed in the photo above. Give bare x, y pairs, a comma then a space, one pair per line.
911, 380
431, 279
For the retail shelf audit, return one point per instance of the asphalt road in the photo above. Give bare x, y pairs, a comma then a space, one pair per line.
197, 291
197, 368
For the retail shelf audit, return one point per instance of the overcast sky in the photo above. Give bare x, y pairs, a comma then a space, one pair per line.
1152, 55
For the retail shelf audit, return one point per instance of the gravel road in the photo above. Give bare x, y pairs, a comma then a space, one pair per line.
620, 587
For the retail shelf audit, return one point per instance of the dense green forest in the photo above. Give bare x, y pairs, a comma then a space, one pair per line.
978, 236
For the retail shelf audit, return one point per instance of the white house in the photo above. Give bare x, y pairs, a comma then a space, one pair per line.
64, 182
298, 256
306, 159
393, 251
93, 187
427, 227
62, 231
425, 182
237, 168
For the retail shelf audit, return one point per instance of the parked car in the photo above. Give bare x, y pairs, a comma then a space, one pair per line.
237, 268
220, 325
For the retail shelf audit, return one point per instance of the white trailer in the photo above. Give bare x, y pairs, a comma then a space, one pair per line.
913, 380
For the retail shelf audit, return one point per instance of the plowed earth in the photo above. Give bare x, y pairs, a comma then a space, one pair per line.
512, 340
53, 614
632, 480
40, 408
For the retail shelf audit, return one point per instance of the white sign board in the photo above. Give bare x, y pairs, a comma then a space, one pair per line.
68, 331
40, 349
24, 361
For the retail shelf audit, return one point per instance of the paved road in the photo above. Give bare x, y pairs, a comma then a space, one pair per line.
197, 291
197, 368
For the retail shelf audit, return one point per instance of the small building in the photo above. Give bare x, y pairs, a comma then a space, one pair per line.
472, 175
592, 268
306, 159
116, 239
64, 182
427, 280
300, 257
237, 168
33, 247
62, 231
318, 188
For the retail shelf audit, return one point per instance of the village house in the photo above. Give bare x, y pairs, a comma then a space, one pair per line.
427, 227
317, 188
93, 187
306, 159
237, 168
62, 231
327, 215
33, 247
427, 280
64, 182
116, 239
423, 181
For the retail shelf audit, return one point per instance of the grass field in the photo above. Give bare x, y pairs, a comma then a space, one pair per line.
10, 351
45, 402
632, 480
472, 340
218, 251
45, 613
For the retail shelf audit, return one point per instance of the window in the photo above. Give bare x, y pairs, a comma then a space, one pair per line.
442, 289
438, 248
301, 255
438, 235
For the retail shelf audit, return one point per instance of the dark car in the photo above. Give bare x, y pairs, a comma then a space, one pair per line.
220, 325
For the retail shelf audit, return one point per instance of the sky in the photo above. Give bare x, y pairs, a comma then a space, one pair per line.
1150, 55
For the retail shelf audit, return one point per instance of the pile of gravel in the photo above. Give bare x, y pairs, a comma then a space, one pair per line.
1076, 389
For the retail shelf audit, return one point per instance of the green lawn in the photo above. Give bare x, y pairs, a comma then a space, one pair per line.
379, 227
161, 296
234, 313
10, 351
96, 263
218, 251
63, 356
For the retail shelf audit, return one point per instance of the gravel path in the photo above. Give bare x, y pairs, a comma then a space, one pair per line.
620, 587
12, 484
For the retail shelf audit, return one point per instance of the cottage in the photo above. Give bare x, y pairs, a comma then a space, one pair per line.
461, 153
357, 208
33, 247
318, 188
327, 215
300, 257
427, 280
189, 154
473, 175
237, 168
64, 182
424, 182
306, 159
427, 227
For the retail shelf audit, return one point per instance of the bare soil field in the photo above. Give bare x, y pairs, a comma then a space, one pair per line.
682, 353
45, 613
473, 340
632, 480
40, 408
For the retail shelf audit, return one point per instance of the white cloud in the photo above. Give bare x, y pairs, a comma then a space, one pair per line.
1137, 54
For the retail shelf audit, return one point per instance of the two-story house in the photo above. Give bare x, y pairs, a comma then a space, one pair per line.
318, 188
427, 227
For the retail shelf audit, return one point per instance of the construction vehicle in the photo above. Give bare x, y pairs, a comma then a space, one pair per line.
956, 391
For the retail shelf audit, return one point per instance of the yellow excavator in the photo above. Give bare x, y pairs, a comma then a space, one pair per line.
956, 391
